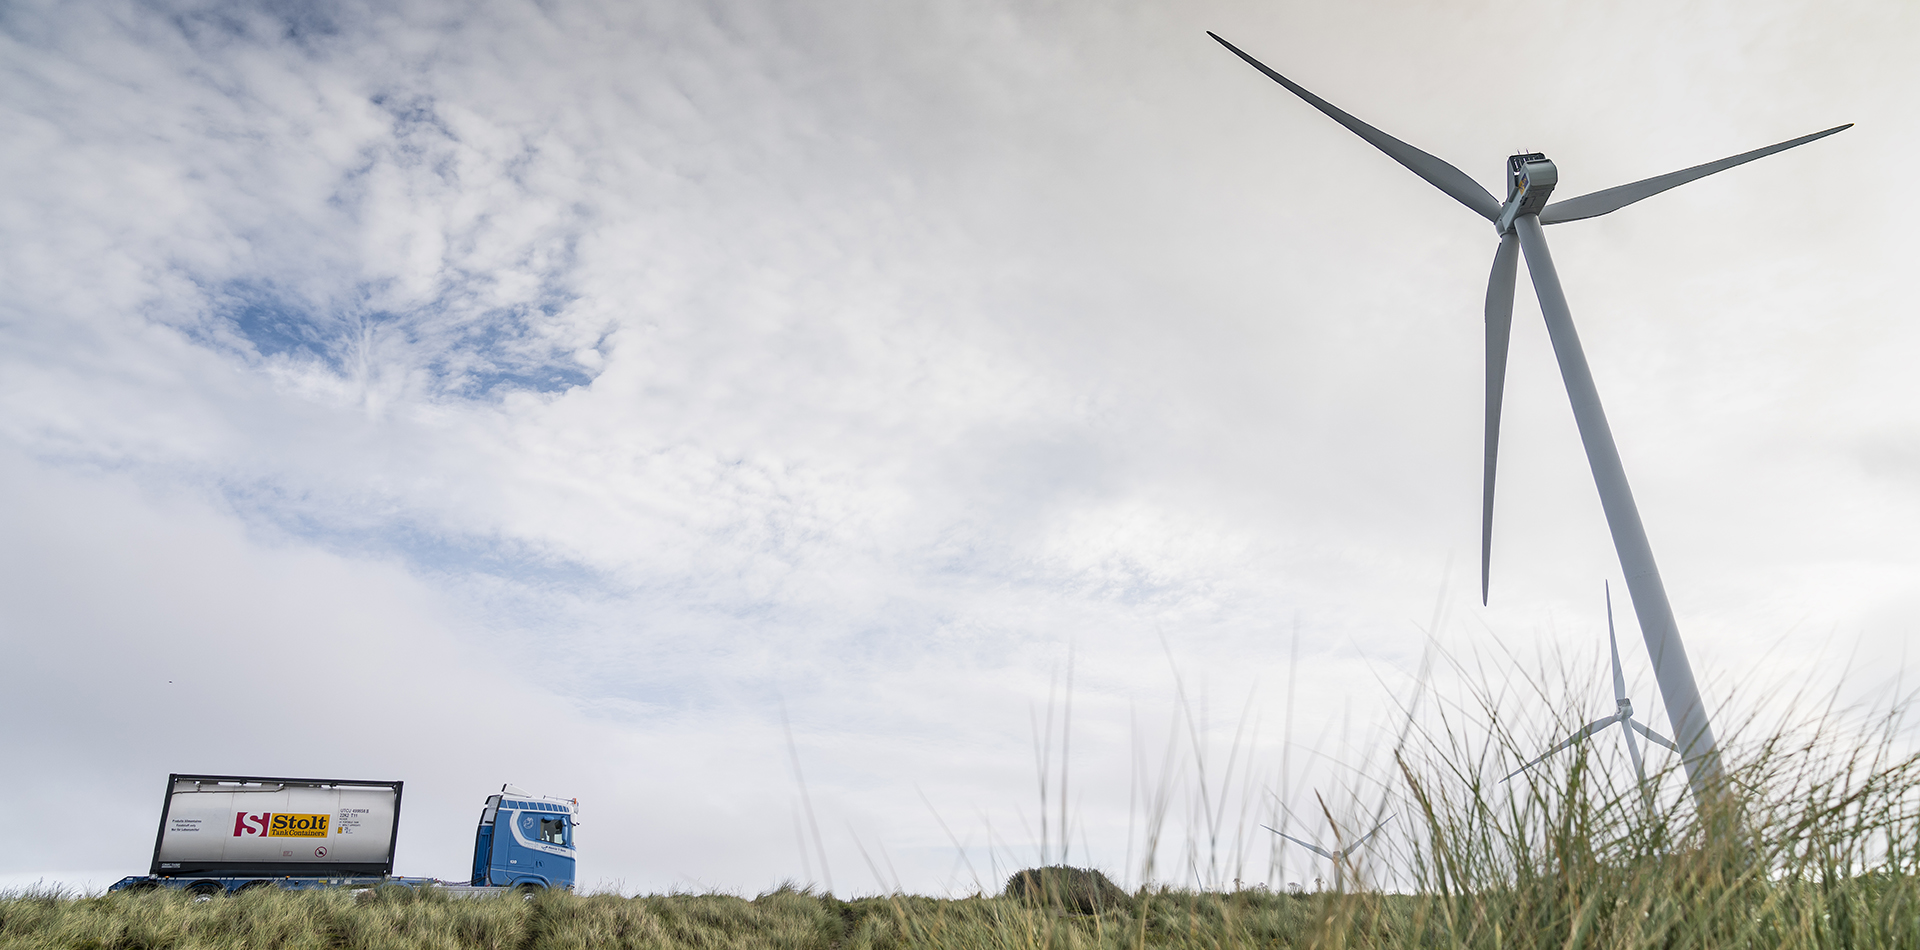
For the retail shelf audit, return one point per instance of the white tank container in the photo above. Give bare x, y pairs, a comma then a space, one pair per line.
232, 825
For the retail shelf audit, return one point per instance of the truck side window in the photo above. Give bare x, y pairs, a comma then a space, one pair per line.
553, 830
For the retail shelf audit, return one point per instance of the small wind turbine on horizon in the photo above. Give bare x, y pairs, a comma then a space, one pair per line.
1341, 857
1530, 180
1622, 714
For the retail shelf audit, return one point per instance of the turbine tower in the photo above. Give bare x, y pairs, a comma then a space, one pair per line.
1518, 221
1622, 714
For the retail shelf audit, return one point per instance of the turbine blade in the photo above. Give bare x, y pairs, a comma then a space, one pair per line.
1506, 262
1654, 736
1589, 729
1613, 199
1633, 749
1525, 767
1363, 838
1316, 849
1438, 173
1619, 678
1582, 733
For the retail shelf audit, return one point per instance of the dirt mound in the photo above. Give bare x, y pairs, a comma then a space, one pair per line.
1079, 890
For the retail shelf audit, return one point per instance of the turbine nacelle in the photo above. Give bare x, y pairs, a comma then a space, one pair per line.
1530, 181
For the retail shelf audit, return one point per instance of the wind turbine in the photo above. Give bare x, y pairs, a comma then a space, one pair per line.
1518, 221
1622, 714
1341, 857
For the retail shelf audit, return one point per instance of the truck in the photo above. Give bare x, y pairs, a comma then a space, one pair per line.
222, 834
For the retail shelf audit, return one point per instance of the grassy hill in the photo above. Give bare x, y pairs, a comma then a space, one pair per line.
1860, 912
786, 919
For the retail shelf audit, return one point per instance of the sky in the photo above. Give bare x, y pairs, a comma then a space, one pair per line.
796, 428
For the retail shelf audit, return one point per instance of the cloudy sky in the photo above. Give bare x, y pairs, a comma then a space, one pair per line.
580, 395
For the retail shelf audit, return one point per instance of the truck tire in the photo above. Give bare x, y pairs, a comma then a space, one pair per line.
204, 891
528, 891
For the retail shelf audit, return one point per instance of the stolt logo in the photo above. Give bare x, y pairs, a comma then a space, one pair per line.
268, 824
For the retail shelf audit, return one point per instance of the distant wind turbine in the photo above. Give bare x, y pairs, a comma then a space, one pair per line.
1530, 180
1623, 714
1341, 857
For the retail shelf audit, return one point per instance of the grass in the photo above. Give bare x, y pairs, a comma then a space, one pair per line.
786, 919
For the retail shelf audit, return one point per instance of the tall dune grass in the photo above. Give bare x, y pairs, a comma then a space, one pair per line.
1811, 841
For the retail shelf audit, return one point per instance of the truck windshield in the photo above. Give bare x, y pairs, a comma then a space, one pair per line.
553, 830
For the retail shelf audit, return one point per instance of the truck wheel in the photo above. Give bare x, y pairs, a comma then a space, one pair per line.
528, 892
204, 891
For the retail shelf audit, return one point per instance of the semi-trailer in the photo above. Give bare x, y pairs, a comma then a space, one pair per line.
221, 834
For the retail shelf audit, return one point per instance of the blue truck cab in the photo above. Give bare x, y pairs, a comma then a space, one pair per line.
524, 840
